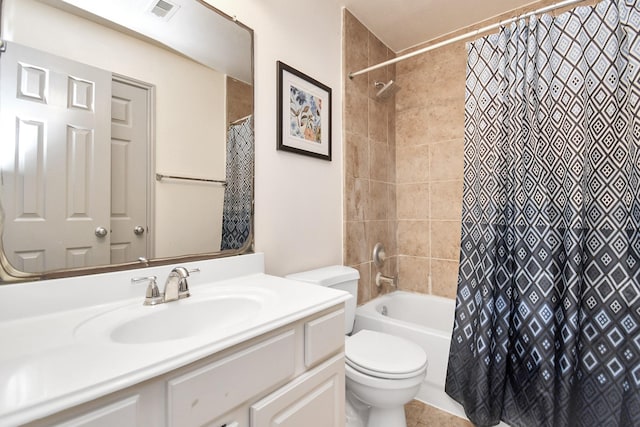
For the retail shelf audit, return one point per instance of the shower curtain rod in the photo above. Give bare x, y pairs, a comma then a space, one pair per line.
465, 36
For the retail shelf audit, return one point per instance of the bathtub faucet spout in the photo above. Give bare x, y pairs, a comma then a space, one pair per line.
381, 278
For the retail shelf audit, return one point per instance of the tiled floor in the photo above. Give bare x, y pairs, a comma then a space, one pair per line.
421, 415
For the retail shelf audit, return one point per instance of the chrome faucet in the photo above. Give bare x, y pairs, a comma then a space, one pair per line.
176, 287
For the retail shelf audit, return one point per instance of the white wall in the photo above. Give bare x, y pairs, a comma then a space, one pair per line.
298, 198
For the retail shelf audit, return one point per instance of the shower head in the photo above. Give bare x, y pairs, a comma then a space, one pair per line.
385, 90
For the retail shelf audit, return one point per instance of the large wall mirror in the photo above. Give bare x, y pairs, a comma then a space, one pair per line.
126, 135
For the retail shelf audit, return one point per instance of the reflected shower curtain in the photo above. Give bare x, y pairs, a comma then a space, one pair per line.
238, 192
547, 323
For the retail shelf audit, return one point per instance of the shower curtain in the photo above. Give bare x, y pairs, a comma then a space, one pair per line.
238, 192
547, 322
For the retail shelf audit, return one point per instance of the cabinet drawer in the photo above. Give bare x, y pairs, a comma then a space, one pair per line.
323, 337
206, 393
315, 399
122, 414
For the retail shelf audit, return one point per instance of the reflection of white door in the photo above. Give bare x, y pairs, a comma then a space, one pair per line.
129, 171
55, 160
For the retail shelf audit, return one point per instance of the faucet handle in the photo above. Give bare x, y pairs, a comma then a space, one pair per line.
152, 295
183, 285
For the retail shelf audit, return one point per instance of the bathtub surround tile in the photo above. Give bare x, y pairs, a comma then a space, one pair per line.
356, 40
446, 161
391, 163
446, 84
445, 240
364, 287
444, 277
430, 88
413, 274
356, 48
429, 114
392, 248
410, 64
413, 201
412, 164
414, 238
393, 203
427, 110
378, 51
446, 200
355, 245
448, 59
412, 127
369, 153
391, 269
391, 121
416, 91
356, 197
378, 201
354, 87
356, 116
356, 159
239, 99
377, 121
381, 162
450, 120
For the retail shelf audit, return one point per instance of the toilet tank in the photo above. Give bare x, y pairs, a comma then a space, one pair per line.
337, 277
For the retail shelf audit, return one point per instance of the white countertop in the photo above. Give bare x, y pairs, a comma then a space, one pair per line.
52, 361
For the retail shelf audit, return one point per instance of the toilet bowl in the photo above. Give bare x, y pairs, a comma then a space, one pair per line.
384, 372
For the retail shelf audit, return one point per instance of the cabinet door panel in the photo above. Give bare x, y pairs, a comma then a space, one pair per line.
203, 395
323, 337
315, 399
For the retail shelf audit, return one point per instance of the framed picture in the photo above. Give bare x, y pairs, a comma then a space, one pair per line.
304, 114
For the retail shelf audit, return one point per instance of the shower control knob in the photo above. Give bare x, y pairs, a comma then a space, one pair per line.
379, 255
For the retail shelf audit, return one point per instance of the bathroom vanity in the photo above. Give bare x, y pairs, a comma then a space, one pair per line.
246, 349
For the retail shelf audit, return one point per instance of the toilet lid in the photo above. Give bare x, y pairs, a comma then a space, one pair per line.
383, 355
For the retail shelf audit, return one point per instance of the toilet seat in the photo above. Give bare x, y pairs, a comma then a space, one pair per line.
384, 356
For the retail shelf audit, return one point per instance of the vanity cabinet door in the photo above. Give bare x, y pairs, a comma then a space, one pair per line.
205, 394
323, 337
314, 399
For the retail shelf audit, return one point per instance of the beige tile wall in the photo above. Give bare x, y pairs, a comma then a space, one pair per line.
239, 99
413, 205
430, 135
403, 164
369, 144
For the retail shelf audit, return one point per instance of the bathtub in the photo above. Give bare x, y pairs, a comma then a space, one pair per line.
426, 320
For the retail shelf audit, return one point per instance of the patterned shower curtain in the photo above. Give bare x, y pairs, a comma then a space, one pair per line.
238, 193
547, 323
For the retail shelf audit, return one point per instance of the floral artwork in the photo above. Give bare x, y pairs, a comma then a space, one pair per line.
305, 116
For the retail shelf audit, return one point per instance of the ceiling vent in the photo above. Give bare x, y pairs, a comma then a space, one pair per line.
163, 9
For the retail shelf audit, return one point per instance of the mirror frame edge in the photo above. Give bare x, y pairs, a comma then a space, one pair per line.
10, 275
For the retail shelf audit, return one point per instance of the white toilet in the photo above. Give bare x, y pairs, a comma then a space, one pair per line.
382, 371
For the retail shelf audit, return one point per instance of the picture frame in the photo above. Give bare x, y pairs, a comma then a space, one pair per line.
304, 114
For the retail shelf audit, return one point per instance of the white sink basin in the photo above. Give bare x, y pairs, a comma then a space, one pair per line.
186, 318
